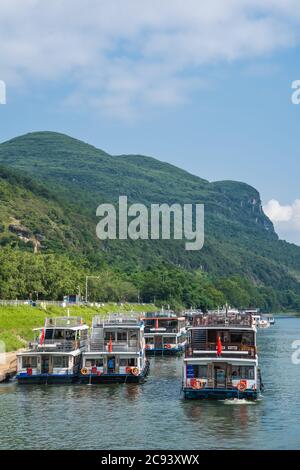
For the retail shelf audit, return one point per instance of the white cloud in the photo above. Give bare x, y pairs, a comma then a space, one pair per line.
286, 219
121, 56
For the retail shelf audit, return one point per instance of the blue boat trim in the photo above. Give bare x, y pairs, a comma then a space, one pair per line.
219, 394
115, 378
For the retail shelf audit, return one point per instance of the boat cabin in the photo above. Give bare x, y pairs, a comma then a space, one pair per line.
116, 351
54, 356
221, 357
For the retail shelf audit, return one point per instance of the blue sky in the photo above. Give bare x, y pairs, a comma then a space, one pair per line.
203, 85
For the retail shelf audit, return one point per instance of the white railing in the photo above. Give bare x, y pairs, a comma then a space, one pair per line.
96, 345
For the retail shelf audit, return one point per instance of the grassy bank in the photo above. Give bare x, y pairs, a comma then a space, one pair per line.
17, 322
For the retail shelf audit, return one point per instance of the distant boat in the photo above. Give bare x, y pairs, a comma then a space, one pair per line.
259, 320
165, 333
270, 319
263, 323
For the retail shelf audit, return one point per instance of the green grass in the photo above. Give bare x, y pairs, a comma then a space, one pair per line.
17, 322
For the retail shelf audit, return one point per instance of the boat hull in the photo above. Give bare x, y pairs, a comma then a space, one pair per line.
219, 394
115, 378
46, 379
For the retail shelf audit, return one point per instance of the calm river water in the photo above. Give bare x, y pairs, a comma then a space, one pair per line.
154, 415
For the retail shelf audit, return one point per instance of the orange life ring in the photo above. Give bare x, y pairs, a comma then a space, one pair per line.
193, 383
135, 371
147, 346
168, 346
84, 371
196, 384
242, 385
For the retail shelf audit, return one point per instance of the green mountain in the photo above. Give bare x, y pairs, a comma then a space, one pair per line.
51, 185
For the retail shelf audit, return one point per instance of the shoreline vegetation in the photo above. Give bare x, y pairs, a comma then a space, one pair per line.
18, 321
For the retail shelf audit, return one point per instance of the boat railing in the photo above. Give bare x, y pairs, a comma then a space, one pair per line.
223, 319
164, 314
161, 329
115, 320
236, 349
63, 322
55, 345
114, 346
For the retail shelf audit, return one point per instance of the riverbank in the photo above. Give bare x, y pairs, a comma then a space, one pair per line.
8, 365
17, 321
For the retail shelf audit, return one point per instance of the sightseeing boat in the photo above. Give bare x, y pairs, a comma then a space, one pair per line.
116, 351
165, 333
54, 356
259, 320
221, 357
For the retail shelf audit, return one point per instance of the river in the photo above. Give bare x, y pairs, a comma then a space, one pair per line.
155, 415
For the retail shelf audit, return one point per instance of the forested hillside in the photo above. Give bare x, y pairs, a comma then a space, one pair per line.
50, 187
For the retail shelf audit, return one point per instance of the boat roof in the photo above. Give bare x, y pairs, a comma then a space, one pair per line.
69, 328
163, 316
226, 320
68, 323
118, 320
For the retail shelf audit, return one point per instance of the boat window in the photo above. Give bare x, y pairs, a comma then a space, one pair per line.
198, 371
243, 372
60, 361
110, 334
70, 335
29, 361
242, 337
58, 334
168, 324
124, 362
211, 336
48, 334
83, 334
122, 335
171, 340
94, 362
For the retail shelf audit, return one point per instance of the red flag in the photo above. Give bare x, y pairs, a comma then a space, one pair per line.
219, 347
110, 345
42, 337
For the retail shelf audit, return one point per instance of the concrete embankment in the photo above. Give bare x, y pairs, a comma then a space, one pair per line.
8, 366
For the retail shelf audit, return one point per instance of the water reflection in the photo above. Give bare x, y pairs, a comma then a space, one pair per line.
155, 414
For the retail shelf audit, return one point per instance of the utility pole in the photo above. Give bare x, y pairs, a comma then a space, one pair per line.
86, 285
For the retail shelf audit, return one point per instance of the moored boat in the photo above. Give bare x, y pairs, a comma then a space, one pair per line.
54, 357
221, 359
270, 319
165, 333
259, 320
116, 351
